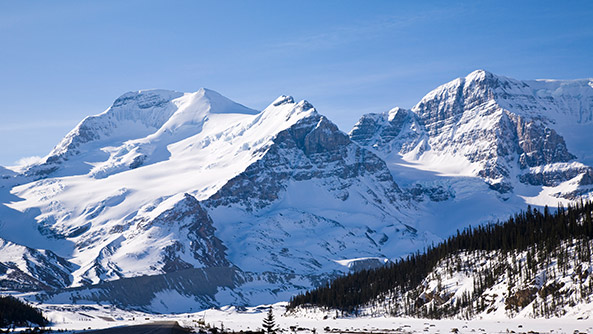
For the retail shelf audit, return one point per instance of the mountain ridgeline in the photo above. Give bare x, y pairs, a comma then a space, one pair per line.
542, 259
178, 190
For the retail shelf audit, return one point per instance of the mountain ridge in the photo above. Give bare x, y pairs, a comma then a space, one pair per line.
205, 182
471, 118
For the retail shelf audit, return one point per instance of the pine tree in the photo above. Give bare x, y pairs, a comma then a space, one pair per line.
269, 324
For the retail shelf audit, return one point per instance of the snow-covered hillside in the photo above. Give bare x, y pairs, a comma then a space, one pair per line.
535, 264
26, 269
496, 284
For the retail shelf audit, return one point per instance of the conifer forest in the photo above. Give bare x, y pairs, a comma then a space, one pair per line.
537, 262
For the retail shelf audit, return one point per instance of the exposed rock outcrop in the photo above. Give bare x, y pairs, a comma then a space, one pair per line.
313, 148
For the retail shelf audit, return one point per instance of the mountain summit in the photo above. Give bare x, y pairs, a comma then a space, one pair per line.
505, 131
136, 119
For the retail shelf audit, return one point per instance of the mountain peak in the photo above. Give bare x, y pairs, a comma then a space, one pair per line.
479, 83
391, 114
487, 80
305, 105
478, 74
145, 98
283, 99
136, 115
220, 104
285, 108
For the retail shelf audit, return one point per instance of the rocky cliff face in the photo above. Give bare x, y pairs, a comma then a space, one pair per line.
164, 236
397, 130
312, 149
503, 129
539, 145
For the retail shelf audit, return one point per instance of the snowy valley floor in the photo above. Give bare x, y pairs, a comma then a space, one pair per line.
78, 318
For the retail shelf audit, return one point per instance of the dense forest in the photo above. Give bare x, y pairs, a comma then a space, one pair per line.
532, 253
14, 312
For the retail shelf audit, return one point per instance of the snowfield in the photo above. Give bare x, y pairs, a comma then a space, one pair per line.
96, 316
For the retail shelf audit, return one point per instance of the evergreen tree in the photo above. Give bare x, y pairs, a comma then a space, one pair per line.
269, 324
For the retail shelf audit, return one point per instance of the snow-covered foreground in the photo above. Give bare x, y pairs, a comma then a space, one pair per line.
76, 317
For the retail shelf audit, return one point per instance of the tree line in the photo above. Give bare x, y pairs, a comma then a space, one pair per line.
539, 232
14, 312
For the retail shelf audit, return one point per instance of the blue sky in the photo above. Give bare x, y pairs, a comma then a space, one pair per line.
63, 60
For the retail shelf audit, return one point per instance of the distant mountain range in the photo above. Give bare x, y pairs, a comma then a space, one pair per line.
192, 198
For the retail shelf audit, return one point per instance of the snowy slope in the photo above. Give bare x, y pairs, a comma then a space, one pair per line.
81, 317
23, 268
106, 209
137, 125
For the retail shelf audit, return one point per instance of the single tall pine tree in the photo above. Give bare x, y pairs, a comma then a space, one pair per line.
269, 325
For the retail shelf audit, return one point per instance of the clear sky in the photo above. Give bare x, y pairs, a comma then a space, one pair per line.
63, 60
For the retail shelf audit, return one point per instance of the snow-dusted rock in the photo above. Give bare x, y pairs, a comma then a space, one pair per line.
26, 269
499, 129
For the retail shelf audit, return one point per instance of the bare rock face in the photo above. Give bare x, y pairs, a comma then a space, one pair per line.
203, 245
539, 145
189, 216
380, 127
553, 177
521, 298
442, 109
437, 193
396, 130
313, 148
495, 123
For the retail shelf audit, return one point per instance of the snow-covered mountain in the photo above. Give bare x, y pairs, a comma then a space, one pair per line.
502, 130
484, 144
165, 183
